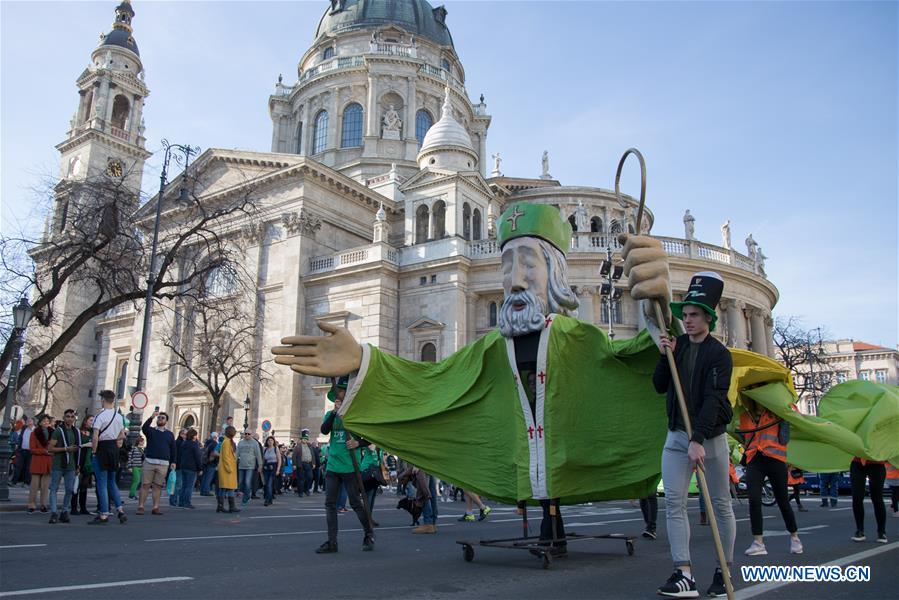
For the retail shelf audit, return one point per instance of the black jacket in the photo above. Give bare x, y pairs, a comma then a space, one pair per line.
709, 408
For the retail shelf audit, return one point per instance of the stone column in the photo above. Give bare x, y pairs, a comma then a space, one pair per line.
585, 309
758, 331
333, 123
372, 109
411, 109
482, 153
736, 324
431, 222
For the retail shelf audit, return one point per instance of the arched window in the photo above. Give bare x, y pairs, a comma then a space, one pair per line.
466, 221
492, 311
445, 64
351, 133
421, 224
615, 227
122, 380
573, 222
596, 225
429, 353
300, 137
188, 421
439, 211
120, 109
476, 224
423, 122
219, 282
328, 53
320, 133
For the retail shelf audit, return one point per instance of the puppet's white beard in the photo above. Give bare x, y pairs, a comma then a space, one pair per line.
531, 318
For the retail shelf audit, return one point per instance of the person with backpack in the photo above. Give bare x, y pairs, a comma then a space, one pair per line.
210, 464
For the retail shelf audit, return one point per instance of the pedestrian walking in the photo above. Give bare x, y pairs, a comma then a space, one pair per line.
649, 506
159, 457
175, 494
108, 434
41, 463
249, 462
305, 463
271, 467
210, 464
472, 499
85, 468
829, 487
227, 472
795, 479
765, 439
188, 467
875, 473
893, 481
341, 470
704, 367
23, 458
64, 445
135, 464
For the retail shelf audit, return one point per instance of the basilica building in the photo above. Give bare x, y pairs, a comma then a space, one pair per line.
377, 211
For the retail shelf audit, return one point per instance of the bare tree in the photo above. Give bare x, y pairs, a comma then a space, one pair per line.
96, 243
801, 351
214, 335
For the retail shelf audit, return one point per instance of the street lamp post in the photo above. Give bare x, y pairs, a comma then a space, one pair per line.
246, 413
22, 313
144, 355
612, 273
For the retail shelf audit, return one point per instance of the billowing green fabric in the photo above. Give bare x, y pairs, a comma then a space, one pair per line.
856, 418
463, 420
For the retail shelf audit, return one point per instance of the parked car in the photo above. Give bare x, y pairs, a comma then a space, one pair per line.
813, 483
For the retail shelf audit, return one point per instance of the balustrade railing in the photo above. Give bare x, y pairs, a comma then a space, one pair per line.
394, 49
119, 133
333, 64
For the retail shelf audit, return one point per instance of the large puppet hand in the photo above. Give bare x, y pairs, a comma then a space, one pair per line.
322, 356
646, 265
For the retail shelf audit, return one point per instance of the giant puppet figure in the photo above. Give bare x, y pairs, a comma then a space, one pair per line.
546, 407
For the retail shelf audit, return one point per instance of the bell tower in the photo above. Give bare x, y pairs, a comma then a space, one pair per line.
105, 134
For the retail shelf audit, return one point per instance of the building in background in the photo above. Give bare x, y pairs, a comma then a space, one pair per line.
377, 208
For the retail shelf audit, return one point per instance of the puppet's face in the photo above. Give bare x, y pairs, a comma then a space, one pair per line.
525, 287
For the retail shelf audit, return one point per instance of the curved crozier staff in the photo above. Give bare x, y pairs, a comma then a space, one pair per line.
681, 402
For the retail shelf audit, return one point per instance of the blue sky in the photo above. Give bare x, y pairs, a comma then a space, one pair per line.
781, 117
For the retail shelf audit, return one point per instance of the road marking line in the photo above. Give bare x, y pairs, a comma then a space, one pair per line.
767, 533
22, 546
763, 588
275, 534
286, 517
92, 586
602, 522
763, 516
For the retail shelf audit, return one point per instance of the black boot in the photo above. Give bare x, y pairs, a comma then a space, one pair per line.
220, 504
368, 543
64, 517
231, 507
327, 548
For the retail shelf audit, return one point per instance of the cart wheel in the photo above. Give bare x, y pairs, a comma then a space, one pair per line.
547, 560
630, 547
467, 553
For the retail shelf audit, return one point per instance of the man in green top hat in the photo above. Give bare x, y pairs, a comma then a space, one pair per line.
591, 426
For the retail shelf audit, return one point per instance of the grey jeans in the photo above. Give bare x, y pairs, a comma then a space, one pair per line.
676, 475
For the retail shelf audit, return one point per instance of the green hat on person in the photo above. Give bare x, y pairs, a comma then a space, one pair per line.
304, 434
341, 383
705, 292
534, 220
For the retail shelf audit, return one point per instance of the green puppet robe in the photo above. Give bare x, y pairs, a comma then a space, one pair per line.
595, 432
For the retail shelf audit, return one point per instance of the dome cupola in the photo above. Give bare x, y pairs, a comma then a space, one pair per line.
121, 34
417, 17
447, 144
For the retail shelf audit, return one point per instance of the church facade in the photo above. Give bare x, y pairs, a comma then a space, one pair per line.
377, 209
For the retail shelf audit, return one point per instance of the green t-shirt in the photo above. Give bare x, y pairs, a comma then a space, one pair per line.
339, 460
370, 458
64, 461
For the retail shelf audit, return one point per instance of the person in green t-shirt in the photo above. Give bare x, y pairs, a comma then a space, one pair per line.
341, 470
64, 445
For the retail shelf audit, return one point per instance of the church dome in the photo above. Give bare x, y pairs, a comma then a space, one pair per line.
121, 38
447, 131
415, 16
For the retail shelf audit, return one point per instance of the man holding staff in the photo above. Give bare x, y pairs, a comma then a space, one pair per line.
704, 366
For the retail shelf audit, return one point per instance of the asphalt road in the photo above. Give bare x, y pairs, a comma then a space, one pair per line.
270, 551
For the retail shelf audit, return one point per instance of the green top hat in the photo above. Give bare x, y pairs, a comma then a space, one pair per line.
705, 292
341, 383
536, 220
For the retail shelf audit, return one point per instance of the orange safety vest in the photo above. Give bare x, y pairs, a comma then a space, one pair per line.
733, 475
791, 480
892, 475
765, 439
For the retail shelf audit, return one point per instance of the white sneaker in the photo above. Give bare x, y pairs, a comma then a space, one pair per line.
756, 549
795, 546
